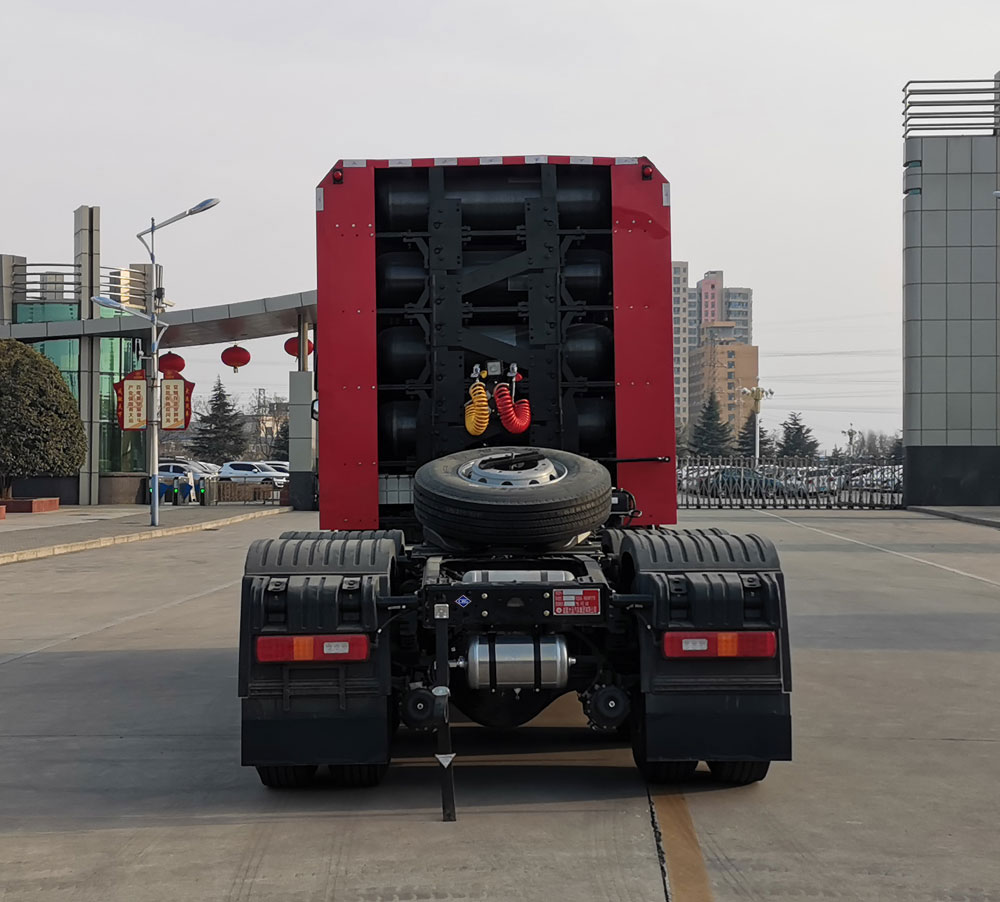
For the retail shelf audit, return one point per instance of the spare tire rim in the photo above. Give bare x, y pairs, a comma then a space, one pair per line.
521, 470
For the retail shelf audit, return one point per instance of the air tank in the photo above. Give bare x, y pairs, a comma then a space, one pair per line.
492, 199
403, 350
401, 276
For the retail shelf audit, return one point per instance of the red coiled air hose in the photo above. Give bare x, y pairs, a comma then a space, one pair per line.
515, 415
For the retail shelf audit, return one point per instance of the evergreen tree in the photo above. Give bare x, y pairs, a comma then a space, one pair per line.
219, 435
896, 454
40, 428
837, 455
796, 439
279, 450
745, 440
711, 437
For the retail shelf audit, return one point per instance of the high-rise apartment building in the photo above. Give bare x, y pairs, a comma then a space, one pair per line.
682, 343
719, 304
739, 312
709, 314
724, 365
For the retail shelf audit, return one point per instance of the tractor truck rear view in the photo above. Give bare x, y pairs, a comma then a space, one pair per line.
496, 467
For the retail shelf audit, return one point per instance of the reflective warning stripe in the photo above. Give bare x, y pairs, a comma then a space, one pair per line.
488, 161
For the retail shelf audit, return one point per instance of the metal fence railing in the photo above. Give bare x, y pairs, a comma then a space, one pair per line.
739, 482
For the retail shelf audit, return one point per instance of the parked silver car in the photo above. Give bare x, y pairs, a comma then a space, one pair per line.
252, 472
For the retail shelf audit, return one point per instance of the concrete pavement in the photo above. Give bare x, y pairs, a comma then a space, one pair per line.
119, 743
895, 786
26, 537
981, 516
119, 730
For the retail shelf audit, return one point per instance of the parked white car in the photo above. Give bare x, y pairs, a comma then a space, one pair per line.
280, 465
252, 472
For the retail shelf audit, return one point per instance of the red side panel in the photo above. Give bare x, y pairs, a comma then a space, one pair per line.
644, 328
348, 424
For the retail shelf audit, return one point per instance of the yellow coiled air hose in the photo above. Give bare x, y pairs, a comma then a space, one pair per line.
477, 411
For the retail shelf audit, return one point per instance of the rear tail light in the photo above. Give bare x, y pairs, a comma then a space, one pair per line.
313, 648
744, 644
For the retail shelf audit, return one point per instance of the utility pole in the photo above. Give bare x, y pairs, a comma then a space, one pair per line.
850, 432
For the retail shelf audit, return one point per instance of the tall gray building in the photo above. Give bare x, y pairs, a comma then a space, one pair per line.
950, 277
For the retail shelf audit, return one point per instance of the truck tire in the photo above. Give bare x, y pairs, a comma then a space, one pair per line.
286, 776
357, 776
739, 773
560, 496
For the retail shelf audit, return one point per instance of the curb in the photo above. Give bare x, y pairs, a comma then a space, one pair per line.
34, 554
952, 515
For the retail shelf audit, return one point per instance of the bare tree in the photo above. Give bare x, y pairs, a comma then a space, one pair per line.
264, 417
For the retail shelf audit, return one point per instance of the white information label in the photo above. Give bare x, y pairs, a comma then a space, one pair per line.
336, 648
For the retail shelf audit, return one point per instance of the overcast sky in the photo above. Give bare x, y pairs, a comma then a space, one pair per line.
777, 123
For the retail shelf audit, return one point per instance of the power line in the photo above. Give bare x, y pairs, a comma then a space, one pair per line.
868, 352
758, 324
838, 375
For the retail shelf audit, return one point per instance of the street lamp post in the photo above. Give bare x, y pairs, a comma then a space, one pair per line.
155, 304
758, 394
157, 330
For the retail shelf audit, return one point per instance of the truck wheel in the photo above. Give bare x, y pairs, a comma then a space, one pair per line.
358, 775
520, 496
739, 773
286, 776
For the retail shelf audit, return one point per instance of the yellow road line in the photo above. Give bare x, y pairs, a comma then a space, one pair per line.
686, 871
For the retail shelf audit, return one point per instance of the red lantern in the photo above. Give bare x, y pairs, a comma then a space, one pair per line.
292, 346
171, 363
236, 357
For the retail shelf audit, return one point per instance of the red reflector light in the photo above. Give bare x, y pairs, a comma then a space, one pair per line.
313, 648
338, 175
743, 644
647, 172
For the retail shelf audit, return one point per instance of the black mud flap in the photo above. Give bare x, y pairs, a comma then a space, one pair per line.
360, 735
313, 713
710, 709
717, 727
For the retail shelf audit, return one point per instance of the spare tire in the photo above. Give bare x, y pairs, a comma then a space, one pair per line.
512, 496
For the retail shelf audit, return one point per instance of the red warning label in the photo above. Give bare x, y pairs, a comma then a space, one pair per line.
576, 601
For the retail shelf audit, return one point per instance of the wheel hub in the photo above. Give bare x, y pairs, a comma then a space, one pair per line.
514, 469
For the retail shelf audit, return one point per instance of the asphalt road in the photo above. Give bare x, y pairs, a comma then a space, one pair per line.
119, 775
